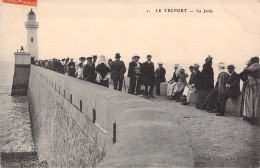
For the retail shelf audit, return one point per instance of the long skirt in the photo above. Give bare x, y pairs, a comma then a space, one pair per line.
252, 99
170, 88
211, 100
243, 97
202, 96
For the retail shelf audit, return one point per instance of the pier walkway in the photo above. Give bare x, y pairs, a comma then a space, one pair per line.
217, 141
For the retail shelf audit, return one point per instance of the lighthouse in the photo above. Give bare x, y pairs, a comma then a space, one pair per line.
24, 59
32, 42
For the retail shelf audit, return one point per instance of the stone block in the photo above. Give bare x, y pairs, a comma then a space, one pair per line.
233, 106
163, 88
193, 98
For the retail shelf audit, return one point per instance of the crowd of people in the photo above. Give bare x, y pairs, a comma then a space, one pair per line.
213, 98
144, 78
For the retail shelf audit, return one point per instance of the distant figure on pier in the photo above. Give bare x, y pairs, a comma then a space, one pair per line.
233, 86
148, 77
134, 72
190, 88
22, 49
110, 62
66, 66
79, 72
71, 68
53, 64
94, 60
82, 60
220, 88
89, 71
103, 72
59, 66
208, 82
172, 83
118, 70
251, 110
94, 57
159, 77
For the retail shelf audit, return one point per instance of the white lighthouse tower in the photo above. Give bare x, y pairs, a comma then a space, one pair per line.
32, 42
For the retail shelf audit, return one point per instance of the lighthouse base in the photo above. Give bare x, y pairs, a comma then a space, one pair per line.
21, 80
21, 73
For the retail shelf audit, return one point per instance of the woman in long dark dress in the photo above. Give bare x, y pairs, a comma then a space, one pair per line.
244, 77
251, 109
219, 89
208, 82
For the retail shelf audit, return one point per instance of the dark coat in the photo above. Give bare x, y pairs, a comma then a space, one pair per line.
208, 77
147, 73
103, 70
89, 72
131, 71
191, 78
244, 75
160, 75
71, 69
175, 78
234, 83
198, 80
118, 69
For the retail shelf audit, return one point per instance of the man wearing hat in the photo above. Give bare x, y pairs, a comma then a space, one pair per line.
233, 90
148, 77
191, 68
89, 73
59, 66
190, 88
198, 84
159, 77
134, 75
82, 59
54, 64
71, 68
118, 70
94, 58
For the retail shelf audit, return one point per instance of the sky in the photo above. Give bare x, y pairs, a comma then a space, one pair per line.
84, 28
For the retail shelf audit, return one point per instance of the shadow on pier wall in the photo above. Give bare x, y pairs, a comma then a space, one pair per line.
78, 124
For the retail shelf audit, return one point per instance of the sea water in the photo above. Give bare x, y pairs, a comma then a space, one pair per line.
15, 127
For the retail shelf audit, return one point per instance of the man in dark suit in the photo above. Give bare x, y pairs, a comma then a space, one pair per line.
159, 77
89, 71
197, 78
118, 70
233, 86
134, 75
94, 59
148, 76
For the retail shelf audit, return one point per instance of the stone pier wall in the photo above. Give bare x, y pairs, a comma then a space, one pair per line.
62, 111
